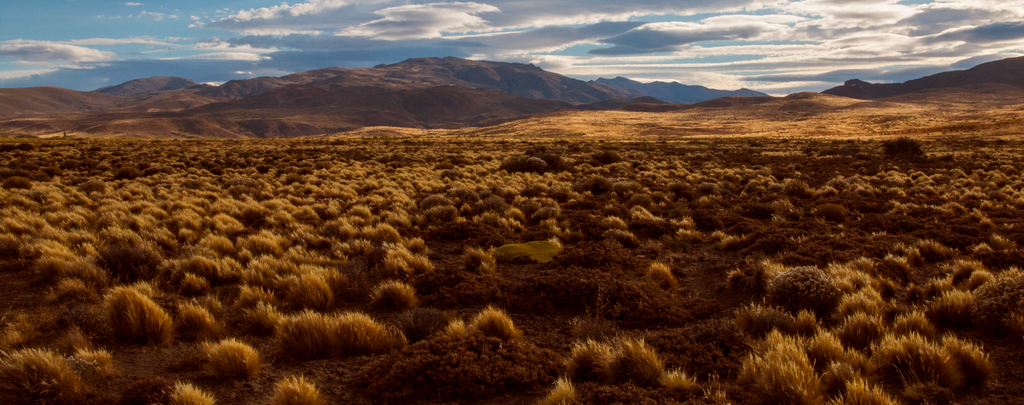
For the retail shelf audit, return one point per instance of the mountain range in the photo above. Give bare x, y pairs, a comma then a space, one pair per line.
1001, 72
677, 93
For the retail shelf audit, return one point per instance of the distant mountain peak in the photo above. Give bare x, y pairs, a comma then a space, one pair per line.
1001, 72
677, 93
141, 87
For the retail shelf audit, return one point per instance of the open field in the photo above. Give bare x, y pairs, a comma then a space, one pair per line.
486, 266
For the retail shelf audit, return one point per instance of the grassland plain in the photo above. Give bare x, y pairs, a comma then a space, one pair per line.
367, 270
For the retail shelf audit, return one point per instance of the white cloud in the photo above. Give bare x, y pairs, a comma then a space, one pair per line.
424, 21
118, 41
236, 56
46, 51
132, 4
154, 15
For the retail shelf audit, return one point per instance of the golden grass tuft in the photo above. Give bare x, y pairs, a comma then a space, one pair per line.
835, 378
35, 376
250, 296
564, 393
479, 260
866, 301
804, 324
495, 323
134, 316
758, 320
588, 361
914, 322
661, 275
952, 309
192, 285
310, 291
780, 373
677, 380
393, 296
860, 330
972, 362
309, 335
913, 359
823, 349
262, 319
196, 322
860, 392
296, 391
635, 362
1015, 323
188, 394
232, 359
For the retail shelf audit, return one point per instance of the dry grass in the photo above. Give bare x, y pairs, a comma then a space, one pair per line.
588, 361
232, 359
860, 330
780, 373
758, 320
393, 296
133, 315
262, 319
296, 391
860, 392
661, 275
196, 322
952, 309
188, 394
34, 376
496, 323
914, 322
972, 362
913, 359
564, 393
633, 361
310, 335
479, 260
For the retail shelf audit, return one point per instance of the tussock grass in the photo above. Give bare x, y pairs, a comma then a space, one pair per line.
914, 322
633, 361
758, 320
296, 391
35, 376
677, 380
420, 323
96, 360
588, 361
952, 309
661, 275
780, 373
913, 359
393, 296
262, 319
478, 260
134, 316
310, 291
564, 393
860, 392
310, 335
197, 322
972, 362
232, 359
860, 330
494, 322
188, 394
250, 296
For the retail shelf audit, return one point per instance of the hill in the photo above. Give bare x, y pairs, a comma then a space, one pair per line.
53, 100
1007, 72
677, 93
514, 78
141, 87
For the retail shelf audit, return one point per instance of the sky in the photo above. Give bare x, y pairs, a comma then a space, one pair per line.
775, 46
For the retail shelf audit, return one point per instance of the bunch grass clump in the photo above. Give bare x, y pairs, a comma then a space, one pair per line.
311, 335
134, 316
187, 394
37, 376
232, 359
661, 275
911, 359
479, 260
393, 296
633, 361
296, 391
494, 322
780, 373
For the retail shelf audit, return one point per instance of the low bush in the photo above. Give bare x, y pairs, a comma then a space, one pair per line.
460, 367
804, 287
903, 148
134, 316
758, 320
17, 183
831, 212
420, 323
996, 299
34, 376
296, 391
232, 359
127, 173
130, 260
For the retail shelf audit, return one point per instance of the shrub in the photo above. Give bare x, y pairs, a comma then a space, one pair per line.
588, 362
662, 276
780, 373
393, 296
127, 173
970, 360
460, 367
913, 359
129, 260
997, 298
831, 212
903, 148
296, 391
136, 317
196, 322
34, 376
860, 330
420, 323
188, 394
310, 335
17, 182
804, 288
596, 185
494, 322
232, 359
633, 361
952, 309
478, 260
541, 251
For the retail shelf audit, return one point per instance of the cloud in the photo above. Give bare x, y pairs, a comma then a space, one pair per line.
423, 21
155, 16
47, 51
239, 56
668, 36
118, 41
132, 4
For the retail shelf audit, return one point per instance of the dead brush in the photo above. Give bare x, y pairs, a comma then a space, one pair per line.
393, 296
310, 335
296, 391
661, 275
134, 316
38, 376
478, 260
495, 323
994, 300
779, 372
633, 361
232, 359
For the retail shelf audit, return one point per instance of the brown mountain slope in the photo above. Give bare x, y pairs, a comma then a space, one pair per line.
523, 80
140, 87
1008, 72
53, 100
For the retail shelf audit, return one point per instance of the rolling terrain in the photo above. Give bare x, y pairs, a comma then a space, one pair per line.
1006, 72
